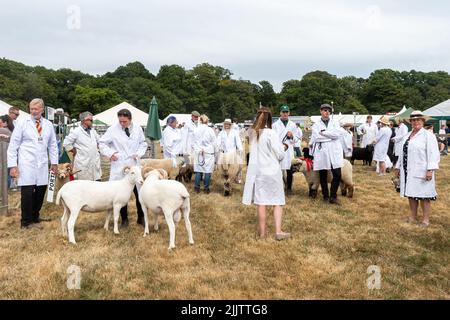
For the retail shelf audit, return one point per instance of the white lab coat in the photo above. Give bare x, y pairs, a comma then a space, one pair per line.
126, 148
347, 142
30, 152
188, 137
172, 142
281, 131
264, 180
204, 148
327, 146
87, 158
382, 144
423, 155
369, 132
399, 139
229, 141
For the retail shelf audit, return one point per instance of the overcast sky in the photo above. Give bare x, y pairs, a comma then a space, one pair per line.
256, 39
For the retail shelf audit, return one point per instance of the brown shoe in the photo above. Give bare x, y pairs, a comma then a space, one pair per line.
282, 236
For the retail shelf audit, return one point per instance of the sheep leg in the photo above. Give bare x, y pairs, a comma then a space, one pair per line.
64, 220
343, 189
186, 210
156, 225
71, 224
116, 218
170, 223
350, 191
144, 209
108, 217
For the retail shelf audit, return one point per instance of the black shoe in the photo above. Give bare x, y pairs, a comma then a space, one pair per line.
124, 223
207, 191
39, 220
334, 201
197, 190
289, 192
326, 199
140, 221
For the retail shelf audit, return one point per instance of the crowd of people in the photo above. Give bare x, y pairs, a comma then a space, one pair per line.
272, 146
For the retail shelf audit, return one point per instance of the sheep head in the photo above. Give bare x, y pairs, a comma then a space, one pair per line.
64, 170
134, 174
296, 164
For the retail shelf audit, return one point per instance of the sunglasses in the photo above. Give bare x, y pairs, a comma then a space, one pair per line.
326, 110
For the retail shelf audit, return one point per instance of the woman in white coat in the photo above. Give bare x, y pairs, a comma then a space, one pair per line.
382, 145
416, 167
124, 144
399, 139
172, 141
327, 152
83, 143
264, 181
369, 132
204, 148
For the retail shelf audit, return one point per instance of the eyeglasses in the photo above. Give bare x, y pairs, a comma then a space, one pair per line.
326, 110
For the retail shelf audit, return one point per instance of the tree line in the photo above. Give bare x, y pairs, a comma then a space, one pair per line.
212, 90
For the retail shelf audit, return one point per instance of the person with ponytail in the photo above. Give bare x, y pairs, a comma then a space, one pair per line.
264, 180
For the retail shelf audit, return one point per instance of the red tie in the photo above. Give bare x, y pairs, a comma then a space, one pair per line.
38, 127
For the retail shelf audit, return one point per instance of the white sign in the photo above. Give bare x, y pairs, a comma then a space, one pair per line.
51, 186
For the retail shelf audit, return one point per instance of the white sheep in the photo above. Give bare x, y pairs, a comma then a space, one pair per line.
168, 197
94, 196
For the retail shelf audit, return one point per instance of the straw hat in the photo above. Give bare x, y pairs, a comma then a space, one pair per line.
227, 121
417, 115
384, 120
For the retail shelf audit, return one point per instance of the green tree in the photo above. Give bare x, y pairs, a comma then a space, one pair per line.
94, 100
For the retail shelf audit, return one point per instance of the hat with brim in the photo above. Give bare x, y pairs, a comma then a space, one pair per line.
284, 108
326, 106
347, 125
227, 121
417, 115
195, 113
384, 120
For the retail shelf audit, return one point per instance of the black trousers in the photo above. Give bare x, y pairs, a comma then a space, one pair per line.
124, 210
289, 179
334, 183
32, 198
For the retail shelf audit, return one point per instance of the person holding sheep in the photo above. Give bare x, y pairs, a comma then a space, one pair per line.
124, 144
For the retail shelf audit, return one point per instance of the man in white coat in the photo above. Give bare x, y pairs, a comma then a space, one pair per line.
290, 134
188, 136
83, 144
172, 141
124, 143
327, 152
32, 142
369, 132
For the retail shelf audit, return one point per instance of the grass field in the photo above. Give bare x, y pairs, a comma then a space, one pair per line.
327, 257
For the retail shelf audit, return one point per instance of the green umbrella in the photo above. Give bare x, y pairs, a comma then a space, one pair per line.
153, 130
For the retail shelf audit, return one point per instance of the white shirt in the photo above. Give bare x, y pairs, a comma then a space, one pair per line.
87, 158
188, 137
369, 132
282, 130
327, 146
30, 151
127, 149
229, 140
172, 142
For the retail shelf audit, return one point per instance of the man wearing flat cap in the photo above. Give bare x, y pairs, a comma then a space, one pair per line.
327, 152
188, 136
289, 134
83, 144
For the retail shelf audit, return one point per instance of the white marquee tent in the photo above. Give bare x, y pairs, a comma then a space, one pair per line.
110, 116
349, 118
4, 109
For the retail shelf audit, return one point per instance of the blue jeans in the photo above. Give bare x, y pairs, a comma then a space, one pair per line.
198, 177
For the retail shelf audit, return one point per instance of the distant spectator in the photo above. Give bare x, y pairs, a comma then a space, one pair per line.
14, 113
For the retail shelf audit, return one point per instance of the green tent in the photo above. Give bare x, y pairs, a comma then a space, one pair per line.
99, 123
153, 129
404, 115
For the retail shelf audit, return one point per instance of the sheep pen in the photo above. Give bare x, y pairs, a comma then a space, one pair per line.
328, 256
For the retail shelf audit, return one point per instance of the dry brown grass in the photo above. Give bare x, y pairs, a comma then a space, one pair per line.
327, 257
